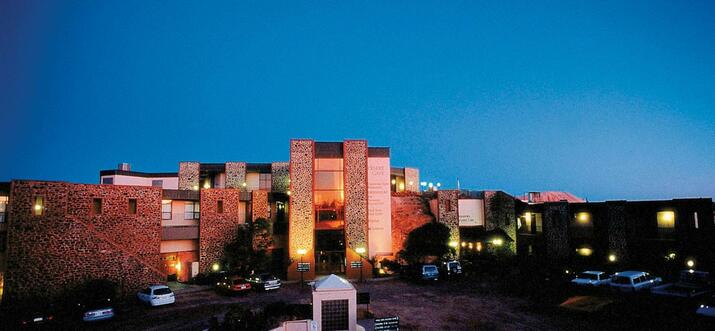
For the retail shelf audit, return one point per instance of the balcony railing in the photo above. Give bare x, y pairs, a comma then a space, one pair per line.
188, 215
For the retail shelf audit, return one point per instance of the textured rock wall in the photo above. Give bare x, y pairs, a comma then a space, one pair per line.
500, 212
188, 175
448, 209
280, 177
69, 243
217, 229
259, 205
355, 163
408, 213
301, 220
235, 174
412, 175
556, 220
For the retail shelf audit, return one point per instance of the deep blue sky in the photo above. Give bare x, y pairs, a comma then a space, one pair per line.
606, 100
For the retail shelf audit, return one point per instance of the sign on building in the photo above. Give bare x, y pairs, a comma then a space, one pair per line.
378, 206
356, 264
303, 266
471, 212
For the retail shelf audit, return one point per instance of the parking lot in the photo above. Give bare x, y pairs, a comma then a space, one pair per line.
451, 305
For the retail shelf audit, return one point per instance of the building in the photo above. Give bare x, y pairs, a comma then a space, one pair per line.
333, 208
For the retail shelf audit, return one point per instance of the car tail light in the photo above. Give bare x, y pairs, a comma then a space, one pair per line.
50, 317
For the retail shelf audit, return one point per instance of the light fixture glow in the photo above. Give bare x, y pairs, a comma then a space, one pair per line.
393, 182
302, 251
612, 257
464, 243
196, 187
215, 267
423, 183
360, 250
411, 183
439, 184
207, 185
453, 244
497, 241
243, 184
288, 192
584, 251
38, 207
690, 263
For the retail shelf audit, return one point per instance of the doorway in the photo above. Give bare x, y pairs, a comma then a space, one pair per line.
329, 252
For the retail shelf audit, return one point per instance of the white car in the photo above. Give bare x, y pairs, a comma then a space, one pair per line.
156, 295
634, 281
591, 278
708, 309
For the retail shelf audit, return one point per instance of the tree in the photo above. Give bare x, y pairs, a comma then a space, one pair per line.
249, 250
429, 240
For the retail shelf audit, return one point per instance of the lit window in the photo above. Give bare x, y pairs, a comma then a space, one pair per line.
39, 207
264, 182
666, 220
192, 211
584, 251
695, 220
3, 206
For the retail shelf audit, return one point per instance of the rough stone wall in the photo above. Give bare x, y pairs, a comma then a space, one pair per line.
69, 244
259, 205
280, 177
500, 212
217, 229
556, 220
188, 175
235, 174
301, 220
448, 209
408, 213
355, 163
617, 232
412, 175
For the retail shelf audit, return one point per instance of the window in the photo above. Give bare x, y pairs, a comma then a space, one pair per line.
96, 206
334, 314
529, 223
666, 221
329, 195
264, 182
108, 180
219, 206
695, 220
39, 207
3, 208
192, 210
132, 206
165, 209
157, 183
3, 241
583, 219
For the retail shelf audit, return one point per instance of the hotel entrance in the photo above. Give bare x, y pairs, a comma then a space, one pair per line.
329, 252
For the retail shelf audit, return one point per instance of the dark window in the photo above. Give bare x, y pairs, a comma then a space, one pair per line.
162, 291
38, 209
335, 314
108, 180
264, 182
3, 241
219, 206
96, 206
157, 183
132, 206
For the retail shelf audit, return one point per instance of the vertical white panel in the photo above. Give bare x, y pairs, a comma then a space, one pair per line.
379, 206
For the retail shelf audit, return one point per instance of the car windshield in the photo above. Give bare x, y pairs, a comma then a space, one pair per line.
430, 268
584, 275
621, 280
162, 291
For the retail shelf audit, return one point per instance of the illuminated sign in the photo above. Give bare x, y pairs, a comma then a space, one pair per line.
471, 212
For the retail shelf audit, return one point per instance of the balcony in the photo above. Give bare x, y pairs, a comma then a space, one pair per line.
180, 232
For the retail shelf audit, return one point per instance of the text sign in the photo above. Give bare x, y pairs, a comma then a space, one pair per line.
363, 298
387, 324
356, 264
303, 266
471, 212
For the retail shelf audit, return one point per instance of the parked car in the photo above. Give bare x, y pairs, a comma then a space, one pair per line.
707, 309
36, 316
157, 295
233, 284
452, 268
264, 281
690, 284
634, 281
97, 310
429, 272
591, 278
95, 300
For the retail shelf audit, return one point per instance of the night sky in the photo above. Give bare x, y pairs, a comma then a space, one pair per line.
605, 100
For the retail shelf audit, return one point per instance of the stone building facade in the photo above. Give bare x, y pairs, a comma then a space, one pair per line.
220, 219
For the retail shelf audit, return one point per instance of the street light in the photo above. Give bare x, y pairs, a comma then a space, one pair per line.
360, 251
301, 252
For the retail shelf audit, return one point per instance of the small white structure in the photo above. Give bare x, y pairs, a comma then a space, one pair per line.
335, 304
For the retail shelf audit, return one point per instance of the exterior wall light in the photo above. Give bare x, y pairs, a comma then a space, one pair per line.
196, 187
690, 263
584, 251
178, 266
612, 258
302, 251
453, 244
243, 184
464, 243
498, 241
288, 192
360, 250
215, 267
207, 185
411, 183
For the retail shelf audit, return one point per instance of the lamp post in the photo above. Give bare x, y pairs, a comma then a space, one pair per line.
360, 251
301, 252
